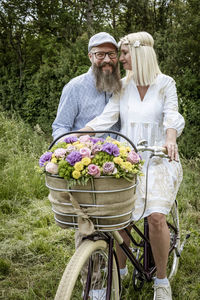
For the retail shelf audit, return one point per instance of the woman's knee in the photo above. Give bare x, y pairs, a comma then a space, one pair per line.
157, 220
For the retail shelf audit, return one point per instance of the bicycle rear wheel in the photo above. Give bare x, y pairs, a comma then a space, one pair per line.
173, 223
86, 271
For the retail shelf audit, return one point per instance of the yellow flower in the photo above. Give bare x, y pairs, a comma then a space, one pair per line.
54, 160
76, 174
118, 160
122, 151
78, 166
127, 165
128, 149
116, 143
76, 143
86, 161
79, 146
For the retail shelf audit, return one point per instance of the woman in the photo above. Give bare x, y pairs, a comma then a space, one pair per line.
148, 109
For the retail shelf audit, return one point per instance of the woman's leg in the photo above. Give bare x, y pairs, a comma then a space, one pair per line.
160, 242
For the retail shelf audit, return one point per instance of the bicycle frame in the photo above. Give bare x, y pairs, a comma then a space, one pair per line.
146, 269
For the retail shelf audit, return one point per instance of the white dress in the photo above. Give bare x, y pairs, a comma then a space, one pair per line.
148, 119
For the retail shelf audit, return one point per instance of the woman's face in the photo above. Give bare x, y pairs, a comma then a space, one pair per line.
125, 57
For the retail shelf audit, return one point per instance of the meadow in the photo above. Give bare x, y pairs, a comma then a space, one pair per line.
34, 250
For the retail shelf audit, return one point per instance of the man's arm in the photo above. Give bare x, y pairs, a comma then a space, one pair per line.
67, 112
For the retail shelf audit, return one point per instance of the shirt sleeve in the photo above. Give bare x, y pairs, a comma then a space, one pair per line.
67, 111
172, 118
108, 117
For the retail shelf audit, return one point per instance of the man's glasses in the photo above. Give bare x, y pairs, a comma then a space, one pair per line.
102, 55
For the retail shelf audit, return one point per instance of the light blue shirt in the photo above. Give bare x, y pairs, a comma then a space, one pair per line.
80, 102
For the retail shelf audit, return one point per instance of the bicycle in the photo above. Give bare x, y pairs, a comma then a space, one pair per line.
95, 259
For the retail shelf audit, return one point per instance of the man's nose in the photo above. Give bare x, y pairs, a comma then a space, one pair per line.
107, 58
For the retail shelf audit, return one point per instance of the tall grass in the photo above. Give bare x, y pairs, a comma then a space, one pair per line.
34, 251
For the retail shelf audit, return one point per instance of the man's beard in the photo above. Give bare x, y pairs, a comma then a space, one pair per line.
107, 81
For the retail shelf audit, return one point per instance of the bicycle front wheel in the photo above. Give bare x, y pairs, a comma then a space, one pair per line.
86, 274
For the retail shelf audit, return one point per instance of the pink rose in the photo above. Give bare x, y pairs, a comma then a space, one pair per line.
70, 148
85, 152
94, 170
96, 148
60, 152
51, 168
133, 157
84, 138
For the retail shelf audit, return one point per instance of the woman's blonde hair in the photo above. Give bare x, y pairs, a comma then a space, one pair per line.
143, 57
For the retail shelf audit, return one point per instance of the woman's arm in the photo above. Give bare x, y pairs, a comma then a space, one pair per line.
170, 144
173, 121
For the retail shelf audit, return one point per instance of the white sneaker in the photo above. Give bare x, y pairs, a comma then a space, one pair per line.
162, 292
98, 294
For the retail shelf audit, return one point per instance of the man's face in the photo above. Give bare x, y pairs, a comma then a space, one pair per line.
105, 63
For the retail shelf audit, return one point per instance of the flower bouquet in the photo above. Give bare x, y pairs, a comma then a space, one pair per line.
92, 182
78, 159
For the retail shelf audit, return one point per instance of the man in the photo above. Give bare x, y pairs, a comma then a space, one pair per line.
85, 96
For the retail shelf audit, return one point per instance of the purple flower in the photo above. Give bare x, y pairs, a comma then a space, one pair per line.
110, 149
45, 158
73, 157
96, 140
133, 157
70, 139
108, 168
94, 170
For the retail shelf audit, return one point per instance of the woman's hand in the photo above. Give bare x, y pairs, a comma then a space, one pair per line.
171, 145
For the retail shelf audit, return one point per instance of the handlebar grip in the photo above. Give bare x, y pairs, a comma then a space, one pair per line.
152, 149
163, 149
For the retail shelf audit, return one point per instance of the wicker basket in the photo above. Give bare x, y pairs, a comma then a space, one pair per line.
106, 202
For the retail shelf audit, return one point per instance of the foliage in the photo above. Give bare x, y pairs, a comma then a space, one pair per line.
34, 250
43, 44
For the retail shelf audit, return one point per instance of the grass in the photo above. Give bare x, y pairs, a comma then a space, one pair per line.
34, 250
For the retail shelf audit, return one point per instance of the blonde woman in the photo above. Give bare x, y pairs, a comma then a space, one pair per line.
148, 109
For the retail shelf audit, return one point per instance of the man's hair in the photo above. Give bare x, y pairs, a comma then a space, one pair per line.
106, 81
143, 58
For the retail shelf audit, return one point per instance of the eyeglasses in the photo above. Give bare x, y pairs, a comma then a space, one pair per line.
102, 55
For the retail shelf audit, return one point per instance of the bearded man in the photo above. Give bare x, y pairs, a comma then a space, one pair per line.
85, 96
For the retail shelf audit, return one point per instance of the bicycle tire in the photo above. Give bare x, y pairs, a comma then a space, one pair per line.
72, 273
173, 261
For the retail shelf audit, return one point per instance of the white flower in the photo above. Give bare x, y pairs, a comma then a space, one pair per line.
136, 44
